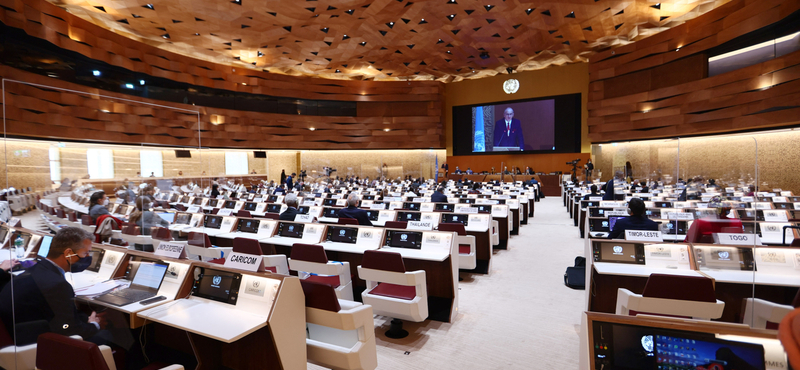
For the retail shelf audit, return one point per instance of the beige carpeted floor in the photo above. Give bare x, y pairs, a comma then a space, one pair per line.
520, 316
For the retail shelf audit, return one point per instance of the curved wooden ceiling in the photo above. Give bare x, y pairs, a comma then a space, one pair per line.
388, 39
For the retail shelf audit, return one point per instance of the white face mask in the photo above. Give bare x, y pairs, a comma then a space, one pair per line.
105, 202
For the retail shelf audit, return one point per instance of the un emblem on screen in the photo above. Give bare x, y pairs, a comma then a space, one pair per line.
341, 232
617, 249
291, 228
403, 237
510, 86
217, 280
724, 255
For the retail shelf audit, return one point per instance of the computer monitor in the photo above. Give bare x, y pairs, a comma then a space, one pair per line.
403, 239
599, 224
447, 207
409, 216
467, 200
303, 210
291, 230
97, 258
373, 214
230, 204
183, 218
250, 206
484, 208
272, 198
248, 225
414, 206
455, 218
341, 234
618, 252
274, 208
197, 201
217, 285
330, 212
213, 222
368, 197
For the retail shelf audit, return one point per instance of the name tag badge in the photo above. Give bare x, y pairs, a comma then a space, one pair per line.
170, 250
644, 236
247, 262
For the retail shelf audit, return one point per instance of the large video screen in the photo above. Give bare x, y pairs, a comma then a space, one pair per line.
541, 125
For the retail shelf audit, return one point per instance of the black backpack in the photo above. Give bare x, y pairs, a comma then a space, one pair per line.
575, 277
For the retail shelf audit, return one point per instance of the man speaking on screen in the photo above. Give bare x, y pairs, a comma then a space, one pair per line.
508, 131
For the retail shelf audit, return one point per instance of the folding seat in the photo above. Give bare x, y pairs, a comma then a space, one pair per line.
466, 246
312, 259
672, 295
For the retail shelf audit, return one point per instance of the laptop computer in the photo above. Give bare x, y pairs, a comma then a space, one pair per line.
145, 284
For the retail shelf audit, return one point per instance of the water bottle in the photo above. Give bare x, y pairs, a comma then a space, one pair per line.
19, 247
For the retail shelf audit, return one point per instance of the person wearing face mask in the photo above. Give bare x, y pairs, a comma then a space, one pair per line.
144, 217
97, 205
43, 299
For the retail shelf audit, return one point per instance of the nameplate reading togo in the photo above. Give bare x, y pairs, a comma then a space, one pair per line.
736, 239
247, 262
643, 236
170, 250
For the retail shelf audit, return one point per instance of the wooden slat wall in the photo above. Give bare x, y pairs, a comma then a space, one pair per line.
33, 111
649, 89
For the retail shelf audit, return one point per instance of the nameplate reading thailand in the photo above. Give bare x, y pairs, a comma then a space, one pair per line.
681, 216
644, 236
304, 218
193, 209
419, 225
247, 262
736, 239
170, 250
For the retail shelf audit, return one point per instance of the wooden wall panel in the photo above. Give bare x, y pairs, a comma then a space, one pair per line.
656, 87
58, 113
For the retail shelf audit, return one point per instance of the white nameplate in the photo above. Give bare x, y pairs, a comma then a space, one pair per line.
303, 218
616, 213
606, 204
384, 216
797, 206
426, 207
395, 205
644, 236
258, 200
786, 193
469, 210
747, 199
224, 212
736, 239
500, 210
777, 190
239, 205
336, 196
378, 206
775, 216
170, 250
419, 225
595, 199
419, 200
118, 201
247, 262
763, 205
193, 209
309, 202
478, 221
779, 200
682, 216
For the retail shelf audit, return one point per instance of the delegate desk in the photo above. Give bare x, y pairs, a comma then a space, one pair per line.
173, 284
730, 266
433, 251
236, 319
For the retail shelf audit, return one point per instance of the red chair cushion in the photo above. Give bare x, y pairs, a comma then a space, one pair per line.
271, 269
332, 280
395, 291
218, 261
463, 249
58, 352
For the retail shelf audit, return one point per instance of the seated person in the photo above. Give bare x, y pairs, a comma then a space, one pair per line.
469, 171
353, 212
42, 293
290, 212
636, 220
144, 217
702, 229
458, 171
593, 193
438, 196
97, 205
214, 191
279, 190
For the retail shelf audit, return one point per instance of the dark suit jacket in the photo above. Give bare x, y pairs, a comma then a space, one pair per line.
356, 213
288, 214
502, 137
289, 183
42, 293
438, 197
632, 223
609, 188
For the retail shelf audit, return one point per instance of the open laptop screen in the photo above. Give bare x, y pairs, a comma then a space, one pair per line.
167, 216
97, 258
149, 275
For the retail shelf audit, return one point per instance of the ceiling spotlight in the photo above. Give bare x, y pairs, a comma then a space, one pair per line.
260, 54
345, 37
166, 36
452, 2
387, 130
311, 128
149, 6
484, 55
363, 43
451, 16
141, 82
96, 73
338, 71
196, 34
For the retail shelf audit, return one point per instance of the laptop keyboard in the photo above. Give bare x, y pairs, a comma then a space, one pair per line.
133, 294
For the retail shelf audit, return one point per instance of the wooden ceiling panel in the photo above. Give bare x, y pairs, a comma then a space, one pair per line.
339, 38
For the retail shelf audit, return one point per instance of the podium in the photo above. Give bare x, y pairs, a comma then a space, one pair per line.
506, 149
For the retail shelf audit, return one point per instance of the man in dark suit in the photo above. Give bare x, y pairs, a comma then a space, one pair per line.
289, 184
636, 221
42, 294
609, 186
353, 212
438, 196
508, 131
279, 190
291, 210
